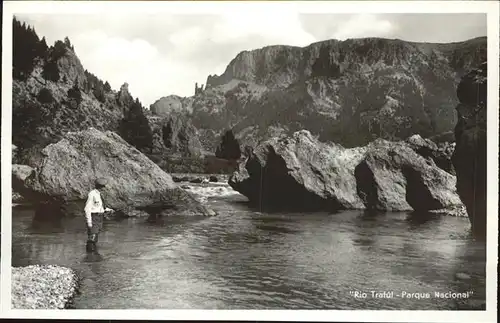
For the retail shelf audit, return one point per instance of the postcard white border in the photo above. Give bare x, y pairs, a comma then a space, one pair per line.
141, 7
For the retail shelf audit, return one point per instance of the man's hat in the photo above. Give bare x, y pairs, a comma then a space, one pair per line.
101, 182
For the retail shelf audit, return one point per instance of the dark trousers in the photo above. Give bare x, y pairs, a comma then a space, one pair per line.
93, 232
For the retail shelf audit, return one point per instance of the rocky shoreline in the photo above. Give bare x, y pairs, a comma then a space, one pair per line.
43, 287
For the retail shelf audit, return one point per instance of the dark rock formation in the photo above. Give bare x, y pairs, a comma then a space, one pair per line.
469, 158
71, 166
198, 90
178, 179
299, 172
196, 180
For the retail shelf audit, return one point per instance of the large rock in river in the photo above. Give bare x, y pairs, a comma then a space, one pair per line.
469, 158
392, 176
71, 166
299, 172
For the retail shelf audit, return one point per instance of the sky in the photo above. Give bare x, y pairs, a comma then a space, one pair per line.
164, 54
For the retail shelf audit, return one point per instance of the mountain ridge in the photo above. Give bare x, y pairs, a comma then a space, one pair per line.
358, 85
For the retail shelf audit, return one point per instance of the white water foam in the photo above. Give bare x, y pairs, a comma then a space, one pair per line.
212, 190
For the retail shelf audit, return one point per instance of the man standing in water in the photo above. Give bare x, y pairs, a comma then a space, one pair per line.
94, 214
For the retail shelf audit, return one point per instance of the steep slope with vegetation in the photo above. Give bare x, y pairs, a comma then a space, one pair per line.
53, 94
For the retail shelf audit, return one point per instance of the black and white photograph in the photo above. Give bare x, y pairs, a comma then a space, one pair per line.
254, 158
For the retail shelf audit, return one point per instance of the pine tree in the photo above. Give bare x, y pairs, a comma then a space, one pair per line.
135, 128
26, 48
99, 93
75, 93
51, 71
43, 48
229, 147
107, 87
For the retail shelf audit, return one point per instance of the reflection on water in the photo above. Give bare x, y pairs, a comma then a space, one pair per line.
247, 260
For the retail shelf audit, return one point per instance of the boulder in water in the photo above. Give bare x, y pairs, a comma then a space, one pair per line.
393, 177
196, 180
71, 166
299, 172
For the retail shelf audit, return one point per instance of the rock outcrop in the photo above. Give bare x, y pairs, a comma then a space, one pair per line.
469, 157
300, 172
440, 154
19, 174
350, 92
123, 96
176, 136
71, 166
169, 105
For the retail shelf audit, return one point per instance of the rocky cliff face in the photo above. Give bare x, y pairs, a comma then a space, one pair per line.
469, 157
175, 135
350, 92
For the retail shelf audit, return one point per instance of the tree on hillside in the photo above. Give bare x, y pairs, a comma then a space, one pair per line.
75, 93
107, 87
51, 71
97, 86
229, 147
26, 120
26, 47
43, 48
58, 50
99, 93
135, 129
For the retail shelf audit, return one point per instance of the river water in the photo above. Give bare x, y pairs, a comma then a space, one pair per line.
243, 259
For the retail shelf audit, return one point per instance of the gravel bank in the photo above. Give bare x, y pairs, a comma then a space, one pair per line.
43, 287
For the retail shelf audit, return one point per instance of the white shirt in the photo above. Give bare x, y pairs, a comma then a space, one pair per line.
94, 205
